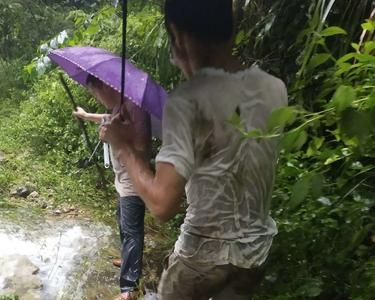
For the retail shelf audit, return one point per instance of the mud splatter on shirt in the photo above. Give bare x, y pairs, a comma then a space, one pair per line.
229, 179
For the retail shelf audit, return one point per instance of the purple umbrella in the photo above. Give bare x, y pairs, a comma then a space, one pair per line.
79, 62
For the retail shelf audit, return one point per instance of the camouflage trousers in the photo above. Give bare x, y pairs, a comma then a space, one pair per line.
186, 280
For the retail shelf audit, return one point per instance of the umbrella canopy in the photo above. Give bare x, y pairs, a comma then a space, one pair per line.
79, 62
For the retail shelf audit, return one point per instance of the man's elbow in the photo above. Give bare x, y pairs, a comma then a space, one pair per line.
163, 215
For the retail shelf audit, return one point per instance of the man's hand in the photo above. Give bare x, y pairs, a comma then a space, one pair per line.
162, 191
118, 133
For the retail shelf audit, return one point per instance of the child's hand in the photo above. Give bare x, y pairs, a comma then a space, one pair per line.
80, 113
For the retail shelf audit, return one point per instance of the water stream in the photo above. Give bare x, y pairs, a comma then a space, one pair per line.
72, 255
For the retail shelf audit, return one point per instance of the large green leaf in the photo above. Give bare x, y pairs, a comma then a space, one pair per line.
355, 46
369, 26
333, 30
354, 123
346, 57
317, 60
314, 146
343, 68
281, 117
256, 133
366, 58
300, 191
93, 29
236, 121
294, 140
343, 98
240, 37
369, 47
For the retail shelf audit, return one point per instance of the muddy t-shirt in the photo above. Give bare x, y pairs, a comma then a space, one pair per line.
229, 179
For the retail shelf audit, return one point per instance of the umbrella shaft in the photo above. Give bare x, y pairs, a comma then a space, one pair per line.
123, 112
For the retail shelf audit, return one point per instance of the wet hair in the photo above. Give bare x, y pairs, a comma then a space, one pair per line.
93, 81
207, 20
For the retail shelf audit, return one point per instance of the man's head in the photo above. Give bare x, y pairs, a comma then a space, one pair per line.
106, 95
206, 23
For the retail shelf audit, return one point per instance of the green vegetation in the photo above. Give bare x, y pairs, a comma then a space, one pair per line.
324, 195
325, 188
9, 297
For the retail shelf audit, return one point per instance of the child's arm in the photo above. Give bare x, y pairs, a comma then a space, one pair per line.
82, 114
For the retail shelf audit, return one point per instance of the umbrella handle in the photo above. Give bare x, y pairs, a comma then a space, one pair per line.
107, 163
106, 155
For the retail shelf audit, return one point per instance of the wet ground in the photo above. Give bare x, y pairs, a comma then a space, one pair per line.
73, 255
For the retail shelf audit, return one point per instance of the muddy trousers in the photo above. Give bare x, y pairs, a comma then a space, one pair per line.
130, 214
183, 279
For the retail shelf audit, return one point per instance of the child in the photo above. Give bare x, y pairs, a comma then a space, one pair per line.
131, 208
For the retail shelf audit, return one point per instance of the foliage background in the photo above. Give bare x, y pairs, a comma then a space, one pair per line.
324, 194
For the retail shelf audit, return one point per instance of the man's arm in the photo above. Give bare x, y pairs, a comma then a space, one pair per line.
142, 127
162, 192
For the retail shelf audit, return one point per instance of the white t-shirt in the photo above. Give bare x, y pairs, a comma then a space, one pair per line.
142, 124
229, 179
123, 184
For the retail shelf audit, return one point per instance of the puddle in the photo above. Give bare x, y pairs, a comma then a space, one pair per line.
73, 256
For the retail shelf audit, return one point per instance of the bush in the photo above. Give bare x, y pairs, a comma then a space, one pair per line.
46, 122
9, 297
10, 77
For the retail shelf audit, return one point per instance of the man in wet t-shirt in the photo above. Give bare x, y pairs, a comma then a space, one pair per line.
227, 232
